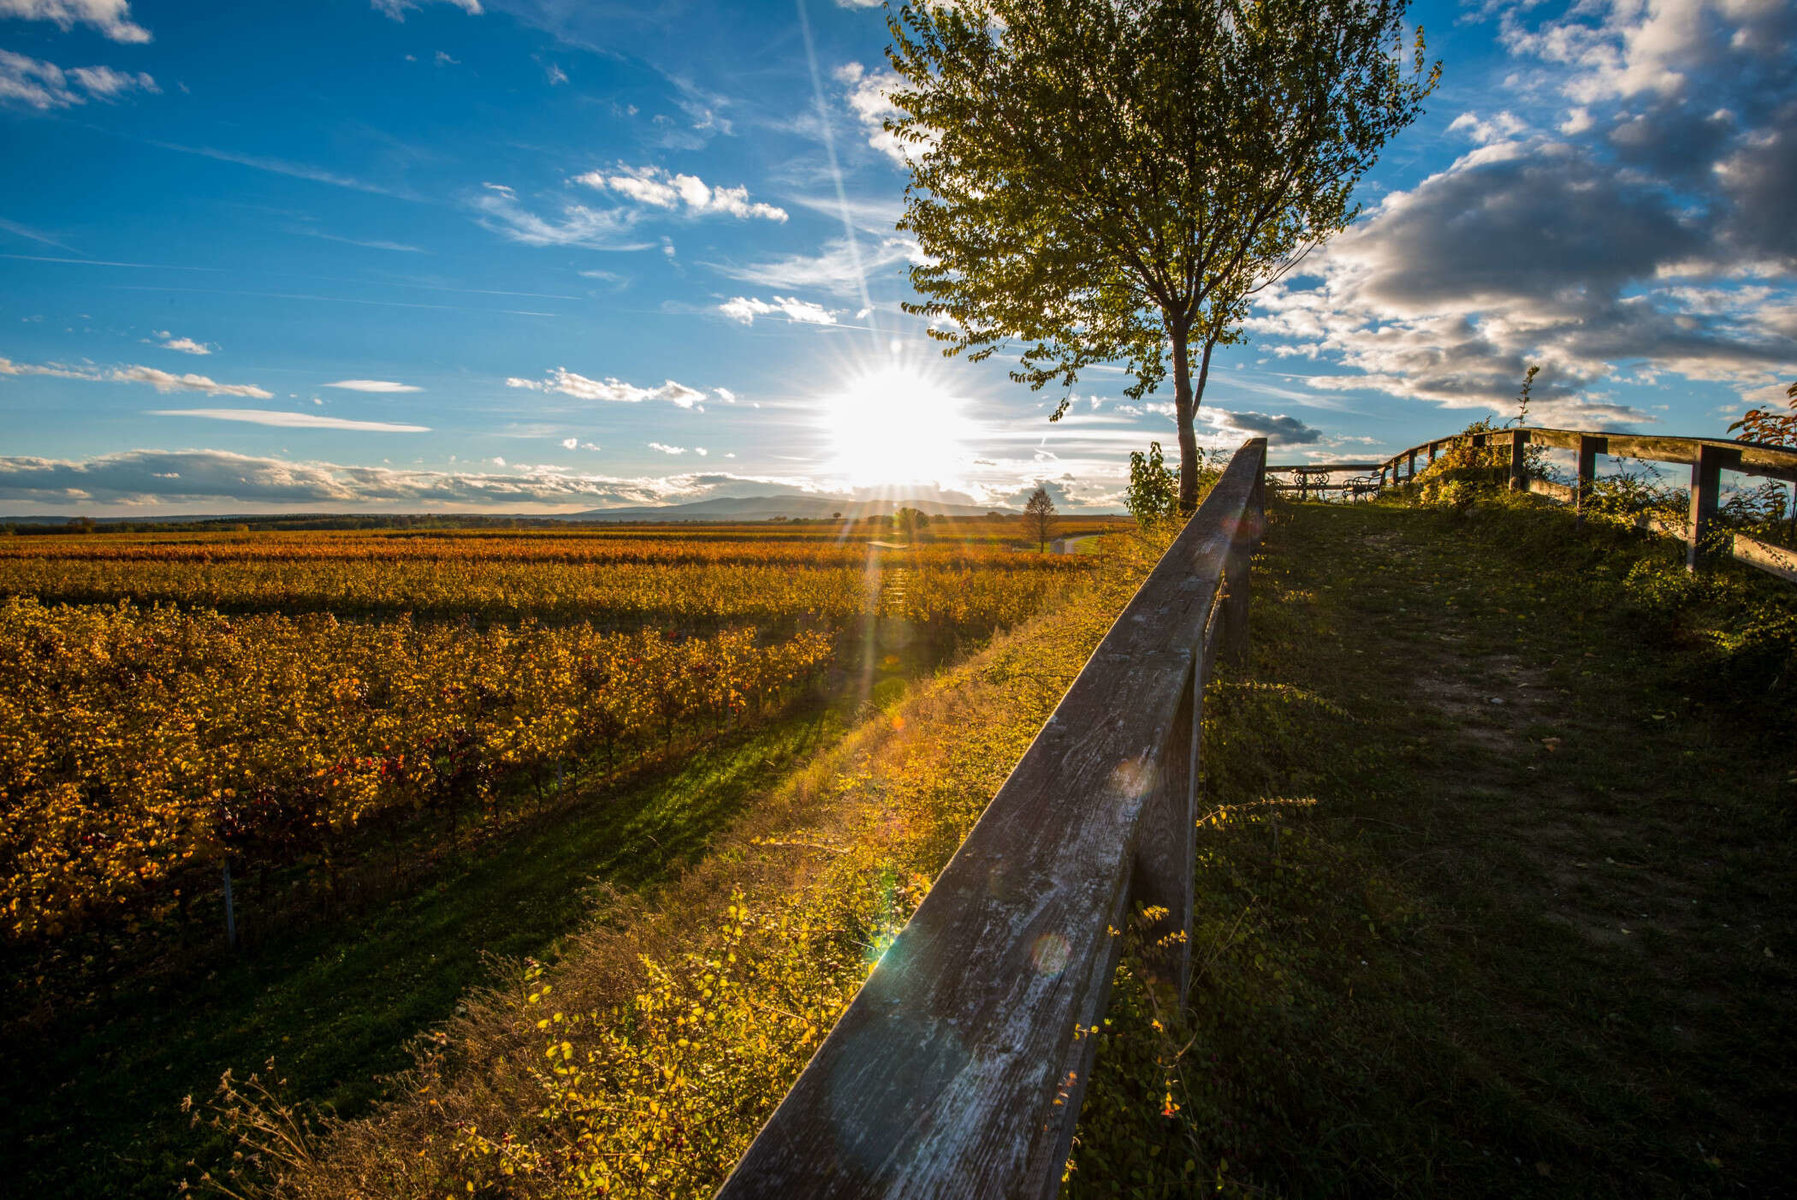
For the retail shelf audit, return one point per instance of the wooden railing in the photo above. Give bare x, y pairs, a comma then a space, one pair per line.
959, 1067
1707, 458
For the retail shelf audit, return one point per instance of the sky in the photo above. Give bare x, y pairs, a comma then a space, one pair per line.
551, 255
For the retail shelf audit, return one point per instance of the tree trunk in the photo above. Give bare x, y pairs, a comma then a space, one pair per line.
1186, 399
1183, 412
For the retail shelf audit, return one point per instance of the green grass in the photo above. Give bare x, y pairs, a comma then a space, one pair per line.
92, 1100
1500, 904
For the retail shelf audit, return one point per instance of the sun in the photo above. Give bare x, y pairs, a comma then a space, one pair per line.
893, 424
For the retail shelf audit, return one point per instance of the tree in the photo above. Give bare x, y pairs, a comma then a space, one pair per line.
1114, 179
910, 523
1038, 516
1153, 492
1768, 427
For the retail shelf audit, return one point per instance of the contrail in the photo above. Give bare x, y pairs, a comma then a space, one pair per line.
842, 199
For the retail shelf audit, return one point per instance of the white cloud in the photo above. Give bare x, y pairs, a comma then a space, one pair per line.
185, 345
746, 309
109, 18
868, 96
382, 386
581, 388
724, 394
288, 420
556, 75
596, 229
667, 449
444, 59
688, 195
162, 381
44, 85
135, 479
570, 443
840, 268
397, 8
1504, 125
1651, 237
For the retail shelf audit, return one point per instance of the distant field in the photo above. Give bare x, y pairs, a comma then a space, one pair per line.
716, 577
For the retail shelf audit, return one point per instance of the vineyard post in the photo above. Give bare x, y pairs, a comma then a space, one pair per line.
230, 909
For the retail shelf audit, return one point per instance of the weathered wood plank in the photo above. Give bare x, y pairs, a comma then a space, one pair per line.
958, 1068
1773, 559
1554, 491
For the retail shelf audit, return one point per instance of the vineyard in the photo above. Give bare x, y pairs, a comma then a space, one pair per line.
143, 746
175, 706
231, 755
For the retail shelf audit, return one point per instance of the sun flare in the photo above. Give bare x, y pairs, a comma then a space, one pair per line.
893, 424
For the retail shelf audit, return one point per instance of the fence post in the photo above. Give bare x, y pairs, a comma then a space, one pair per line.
1162, 875
1587, 470
1706, 481
230, 910
1519, 461
1410, 469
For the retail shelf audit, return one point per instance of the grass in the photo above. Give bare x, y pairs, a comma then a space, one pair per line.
1494, 895
690, 1007
338, 1002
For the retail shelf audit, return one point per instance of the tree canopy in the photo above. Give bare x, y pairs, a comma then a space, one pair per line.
1108, 180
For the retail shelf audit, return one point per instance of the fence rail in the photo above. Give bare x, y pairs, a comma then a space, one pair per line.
1707, 458
959, 1067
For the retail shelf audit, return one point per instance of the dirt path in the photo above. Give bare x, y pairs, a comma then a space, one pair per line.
1498, 906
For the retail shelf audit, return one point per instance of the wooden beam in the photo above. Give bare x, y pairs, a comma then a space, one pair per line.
1775, 560
1554, 491
1770, 462
958, 1068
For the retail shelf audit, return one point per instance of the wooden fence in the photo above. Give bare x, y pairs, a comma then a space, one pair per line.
959, 1067
1707, 458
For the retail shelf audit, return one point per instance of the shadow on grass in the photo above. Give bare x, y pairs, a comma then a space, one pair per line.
1491, 900
92, 1105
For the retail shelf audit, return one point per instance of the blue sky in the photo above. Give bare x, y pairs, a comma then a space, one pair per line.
534, 255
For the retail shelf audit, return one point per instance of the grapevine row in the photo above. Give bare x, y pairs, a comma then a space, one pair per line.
942, 597
138, 746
